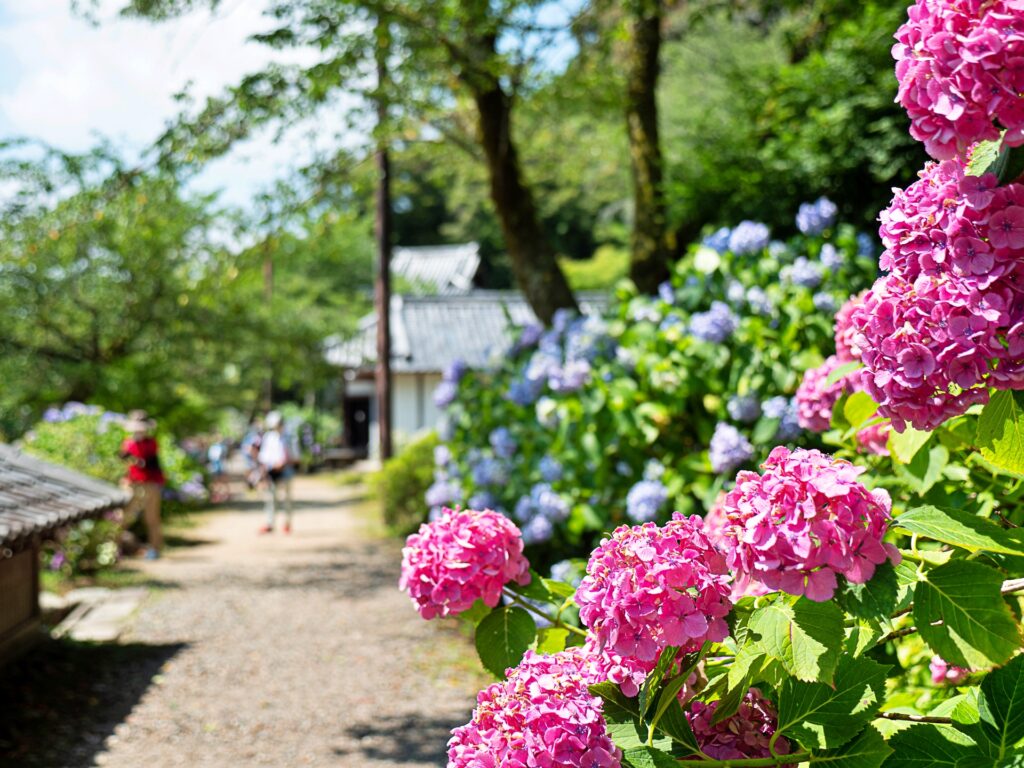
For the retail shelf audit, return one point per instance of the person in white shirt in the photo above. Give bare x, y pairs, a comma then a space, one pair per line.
275, 461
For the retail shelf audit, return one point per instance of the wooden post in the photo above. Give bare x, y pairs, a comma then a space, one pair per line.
382, 231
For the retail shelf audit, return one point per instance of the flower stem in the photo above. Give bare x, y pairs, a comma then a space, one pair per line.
555, 621
897, 634
915, 718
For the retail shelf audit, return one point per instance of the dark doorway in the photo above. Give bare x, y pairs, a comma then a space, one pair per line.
357, 422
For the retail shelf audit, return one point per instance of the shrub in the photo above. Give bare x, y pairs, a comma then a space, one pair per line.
403, 480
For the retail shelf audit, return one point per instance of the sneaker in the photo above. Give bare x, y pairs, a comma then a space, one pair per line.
151, 554
265, 529
287, 527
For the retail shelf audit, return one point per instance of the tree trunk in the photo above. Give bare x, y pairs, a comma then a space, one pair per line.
651, 241
533, 259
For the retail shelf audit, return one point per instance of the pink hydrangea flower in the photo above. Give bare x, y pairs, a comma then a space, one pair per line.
815, 397
650, 587
948, 322
459, 558
629, 672
944, 673
542, 715
874, 439
960, 66
804, 521
744, 735
846, 332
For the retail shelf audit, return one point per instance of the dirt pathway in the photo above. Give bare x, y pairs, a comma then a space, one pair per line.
281, 650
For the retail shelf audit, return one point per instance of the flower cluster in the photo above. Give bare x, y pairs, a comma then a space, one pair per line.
563, 358
714, 326
540, 511
645, 499
803, 521
815, 397
803, 272
944, 673
744, 735
729, 448
502, 442
444, 394
745, 409
845, 331
786, 411
814, 218
959, 66
649, 587
459, 558
749, 237
542, 715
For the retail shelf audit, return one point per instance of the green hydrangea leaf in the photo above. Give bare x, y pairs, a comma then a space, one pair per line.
961, 529
1001, 431
804, 636
502, 637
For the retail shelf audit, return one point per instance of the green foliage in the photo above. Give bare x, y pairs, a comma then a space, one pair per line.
601, 271
1001, 431
503, 636
402, 481
804, 636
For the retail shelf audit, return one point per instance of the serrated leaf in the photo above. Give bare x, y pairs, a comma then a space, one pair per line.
648, 757
1001, 705
960, 612
820, 716
619, 708
503, 637
961, 529
1001, 431
929, 746
876, 598
560, 589
653, 680
858, 408
924, 470
804, 636
551, 639
868, 750
904, 445
861, 637
984, 158
534, 590
628, 736
842, 371
765, 430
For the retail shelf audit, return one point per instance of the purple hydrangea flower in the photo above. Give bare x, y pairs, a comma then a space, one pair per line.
442, 492
561, 319
729, 448
524, 391
488, 471
442, 455
824, 302
653, 470
550, 469
715, 325
645, 499
482, 500
53, 415
746, 409
749, 237
734, 292
538, 530
758, 301
785, 410
454, 371
528, 336
573, 376
445, 394
665, 292
831, 257
866, 245
814, 218
719, 240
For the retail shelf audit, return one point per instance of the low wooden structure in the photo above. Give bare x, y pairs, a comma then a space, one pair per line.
36, 499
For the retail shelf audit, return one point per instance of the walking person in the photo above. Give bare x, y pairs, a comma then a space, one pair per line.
276, 459
145, 477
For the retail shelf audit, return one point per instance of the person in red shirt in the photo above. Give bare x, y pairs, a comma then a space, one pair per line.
145, 477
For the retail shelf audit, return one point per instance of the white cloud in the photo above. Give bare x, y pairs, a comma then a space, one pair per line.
66, 82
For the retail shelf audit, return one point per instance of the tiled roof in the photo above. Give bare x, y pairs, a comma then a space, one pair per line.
446, 269
37, 497
428, 332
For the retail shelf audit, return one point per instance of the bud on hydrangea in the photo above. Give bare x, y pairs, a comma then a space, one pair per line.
801, 522
650, 587
542, 715
744, 735
459, 558
958, 63
944, 673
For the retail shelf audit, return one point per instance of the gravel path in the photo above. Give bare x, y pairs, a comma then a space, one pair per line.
268, 650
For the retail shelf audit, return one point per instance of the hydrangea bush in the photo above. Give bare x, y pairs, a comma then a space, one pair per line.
611, 418
856, 608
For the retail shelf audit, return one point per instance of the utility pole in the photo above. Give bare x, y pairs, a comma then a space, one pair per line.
382, 231
268, 296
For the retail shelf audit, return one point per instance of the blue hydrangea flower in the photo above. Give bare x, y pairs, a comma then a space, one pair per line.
566, 571
586, 339
749, 237
537, 530
442, 455
442, 493
488, 471
831, 257
814, 218
53, 415
777, 249
719, 240
714, 326
572, 377
866, 245
758, 301
524, 391
548, 503
543, 366
785, 410
482, 500
528, 336
653, 470
623, 468
803, 272
454, 371
445, 394
666, 294
550, 469
672, 320
561, 319
729, 448
503, 443
824, 302
746, 409
644, 500
734, 291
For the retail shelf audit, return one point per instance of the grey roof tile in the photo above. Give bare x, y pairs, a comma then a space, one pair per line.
37, 496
